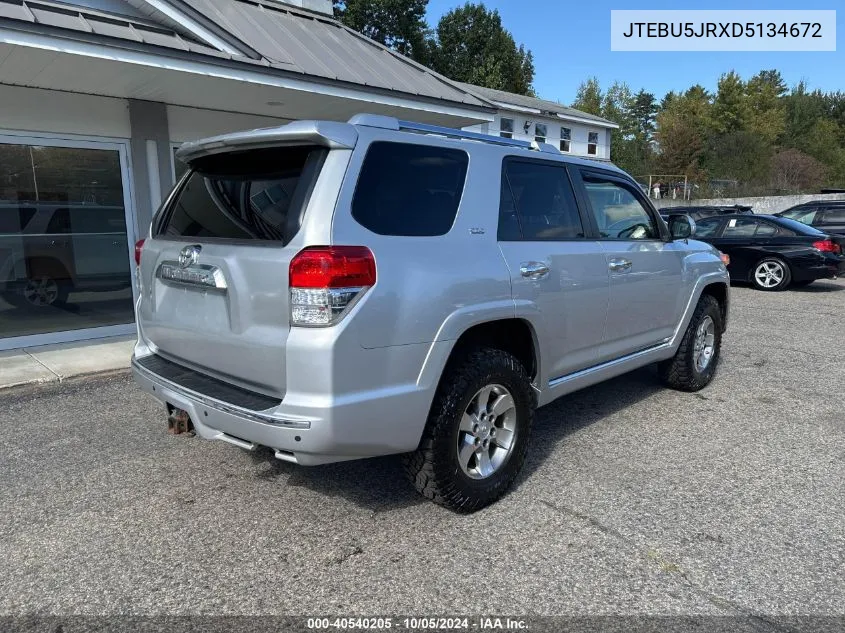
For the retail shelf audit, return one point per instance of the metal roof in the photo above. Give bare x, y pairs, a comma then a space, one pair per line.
314, 44
261, 33
89, 22
521, 101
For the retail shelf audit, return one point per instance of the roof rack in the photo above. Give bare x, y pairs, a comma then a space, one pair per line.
376, 120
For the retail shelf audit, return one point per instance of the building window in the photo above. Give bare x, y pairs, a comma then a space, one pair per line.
65, 245
506, 128
540, 132
593, 143
565, 139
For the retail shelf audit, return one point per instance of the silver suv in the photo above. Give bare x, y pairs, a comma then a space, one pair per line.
344, 290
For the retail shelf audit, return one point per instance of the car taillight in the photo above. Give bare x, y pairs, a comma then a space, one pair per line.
326, 280
827, 246
139, 246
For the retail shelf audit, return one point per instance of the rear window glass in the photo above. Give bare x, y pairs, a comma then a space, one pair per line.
253, 195
409, 190
799, 227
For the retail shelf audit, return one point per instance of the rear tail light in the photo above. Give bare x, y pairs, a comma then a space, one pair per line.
827, 246
139, 246
325, 281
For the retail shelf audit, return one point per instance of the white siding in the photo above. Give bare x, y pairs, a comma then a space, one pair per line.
579, 132
188, 124
53, 112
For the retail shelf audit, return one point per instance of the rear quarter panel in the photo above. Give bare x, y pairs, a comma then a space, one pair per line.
431, 288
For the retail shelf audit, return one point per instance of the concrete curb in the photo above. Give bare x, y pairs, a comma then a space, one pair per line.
35, 367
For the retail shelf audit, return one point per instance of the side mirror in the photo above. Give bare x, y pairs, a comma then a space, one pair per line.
681, 226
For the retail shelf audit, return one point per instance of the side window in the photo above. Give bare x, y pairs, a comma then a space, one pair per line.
506, 128
408, 189
764, 229
59, 222
833, 216
740, 227
708, 227
539, 197
618, 212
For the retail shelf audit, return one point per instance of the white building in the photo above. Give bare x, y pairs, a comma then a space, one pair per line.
532, 119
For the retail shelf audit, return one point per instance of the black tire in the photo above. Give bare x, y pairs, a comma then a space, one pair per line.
434, 468
772, 261
681, 371
18, 298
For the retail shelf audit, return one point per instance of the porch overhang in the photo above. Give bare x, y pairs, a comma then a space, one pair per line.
56, 62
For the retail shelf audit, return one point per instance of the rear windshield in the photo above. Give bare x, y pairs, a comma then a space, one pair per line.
799, 227
253, 195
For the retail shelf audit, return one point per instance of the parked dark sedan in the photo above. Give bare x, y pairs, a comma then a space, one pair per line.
825, 215
699, 212
773, 252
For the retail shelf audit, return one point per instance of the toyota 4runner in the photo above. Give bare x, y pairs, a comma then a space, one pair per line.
336, 291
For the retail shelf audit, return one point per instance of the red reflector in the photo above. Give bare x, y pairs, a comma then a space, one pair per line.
139, 246
827, 246
333, 267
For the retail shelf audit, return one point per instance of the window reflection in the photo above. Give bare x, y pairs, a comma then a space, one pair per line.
64, 252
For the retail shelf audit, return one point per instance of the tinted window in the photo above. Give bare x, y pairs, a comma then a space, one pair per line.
539, 197
59, 222
805, 216
618, 212
833, 216
740, 227
799, 227
708, 227
410, 190
259, 194
15, 219
764, 229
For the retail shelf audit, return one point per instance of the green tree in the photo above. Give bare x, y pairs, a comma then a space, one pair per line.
683, 126
589, 97
473, 46
730, 107
398, 24
766, 111
644, 111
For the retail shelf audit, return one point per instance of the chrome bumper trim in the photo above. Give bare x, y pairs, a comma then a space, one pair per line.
219, 405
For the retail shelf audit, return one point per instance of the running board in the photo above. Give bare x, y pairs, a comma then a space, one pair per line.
607, 366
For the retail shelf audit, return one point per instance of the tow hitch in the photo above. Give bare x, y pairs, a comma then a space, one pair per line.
179, 422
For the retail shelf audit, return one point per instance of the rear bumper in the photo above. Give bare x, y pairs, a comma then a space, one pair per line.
315, 430
827, 267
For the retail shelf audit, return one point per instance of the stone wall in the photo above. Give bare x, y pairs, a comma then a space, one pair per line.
766, 204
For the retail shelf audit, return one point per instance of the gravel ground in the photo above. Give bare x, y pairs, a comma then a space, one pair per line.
634, 500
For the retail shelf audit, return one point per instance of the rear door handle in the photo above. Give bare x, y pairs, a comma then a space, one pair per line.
534, 270
620, 265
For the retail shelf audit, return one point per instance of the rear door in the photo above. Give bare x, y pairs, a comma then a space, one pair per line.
646, 293
214, 275
831, 220
555, 268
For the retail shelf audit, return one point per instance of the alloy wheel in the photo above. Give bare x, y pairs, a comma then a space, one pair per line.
704, 344
41, 291
769, 274
487, 432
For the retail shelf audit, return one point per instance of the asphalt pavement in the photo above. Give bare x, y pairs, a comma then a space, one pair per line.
634, 500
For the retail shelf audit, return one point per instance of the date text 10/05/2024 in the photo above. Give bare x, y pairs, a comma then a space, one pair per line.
419, 623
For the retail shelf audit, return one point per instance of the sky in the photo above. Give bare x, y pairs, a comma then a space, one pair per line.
570, 40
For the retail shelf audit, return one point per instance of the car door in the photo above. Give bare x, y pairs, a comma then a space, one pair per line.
831, 220
645, 267
558, 274
745, 240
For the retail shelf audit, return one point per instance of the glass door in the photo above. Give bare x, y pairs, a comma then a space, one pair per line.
65, 240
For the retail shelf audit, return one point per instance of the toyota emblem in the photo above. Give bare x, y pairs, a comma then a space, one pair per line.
188, 256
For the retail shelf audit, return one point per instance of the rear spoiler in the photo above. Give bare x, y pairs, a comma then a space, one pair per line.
325, 133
